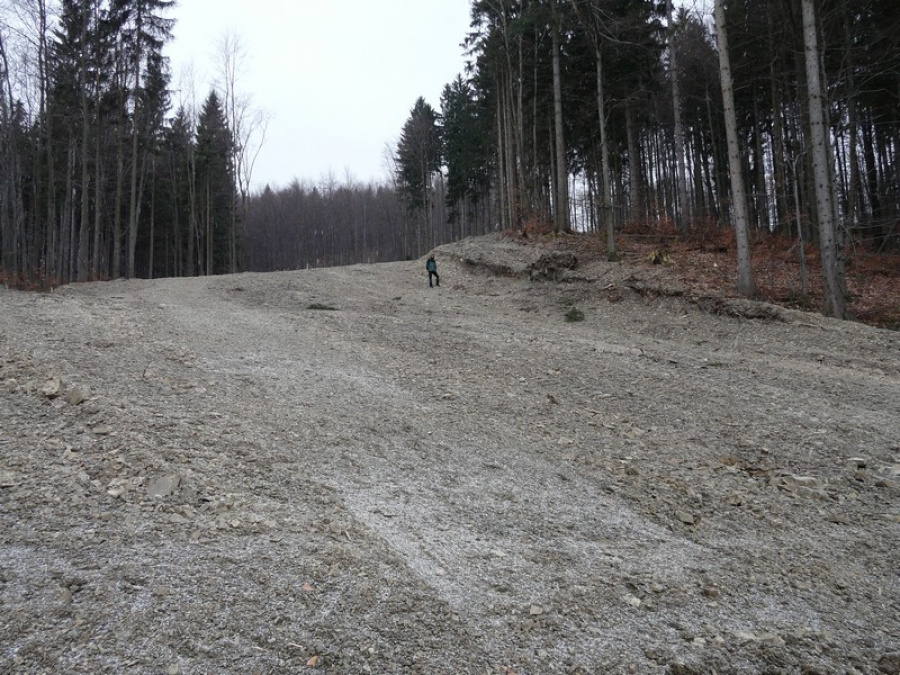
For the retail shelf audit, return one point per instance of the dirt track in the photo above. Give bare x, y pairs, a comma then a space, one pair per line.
345, 471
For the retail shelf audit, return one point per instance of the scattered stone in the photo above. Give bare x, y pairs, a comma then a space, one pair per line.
811, 493
764, 637
163, 487
735, 500
771, 639
52, 388
632, 600
77, 395
536, 610
659, 654
800, 481
685, 517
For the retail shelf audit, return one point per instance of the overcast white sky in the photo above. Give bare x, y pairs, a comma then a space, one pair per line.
338, 77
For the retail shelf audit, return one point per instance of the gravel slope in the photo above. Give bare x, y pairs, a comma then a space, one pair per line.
345, 471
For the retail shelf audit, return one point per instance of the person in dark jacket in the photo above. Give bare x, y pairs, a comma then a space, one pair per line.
431, 266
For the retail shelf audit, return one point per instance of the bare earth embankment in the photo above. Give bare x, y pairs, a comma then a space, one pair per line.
345, 471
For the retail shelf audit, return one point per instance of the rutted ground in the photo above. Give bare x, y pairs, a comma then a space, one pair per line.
346, 471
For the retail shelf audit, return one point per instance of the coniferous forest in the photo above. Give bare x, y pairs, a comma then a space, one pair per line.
762, 117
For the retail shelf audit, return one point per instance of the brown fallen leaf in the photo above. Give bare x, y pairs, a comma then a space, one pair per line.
307, 586
313, 662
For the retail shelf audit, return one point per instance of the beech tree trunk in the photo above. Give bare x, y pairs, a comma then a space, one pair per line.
835, 293
562, 187
606, 213
682, 204
746, 283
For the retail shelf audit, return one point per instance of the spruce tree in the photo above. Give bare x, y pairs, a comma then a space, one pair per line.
215, 186
466, 147
418, 154
145, 31
418, 159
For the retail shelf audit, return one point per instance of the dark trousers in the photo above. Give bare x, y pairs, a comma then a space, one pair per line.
433, 273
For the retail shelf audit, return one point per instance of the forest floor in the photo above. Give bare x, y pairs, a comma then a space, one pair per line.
613, 468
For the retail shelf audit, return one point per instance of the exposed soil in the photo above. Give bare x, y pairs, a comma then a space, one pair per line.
531, 469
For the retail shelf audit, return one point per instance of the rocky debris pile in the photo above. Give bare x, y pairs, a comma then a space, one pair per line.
552, 266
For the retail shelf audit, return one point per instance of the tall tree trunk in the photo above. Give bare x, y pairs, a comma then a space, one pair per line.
66, 253
682, 207
778, 156
193, 250
133, 209
606, 213
10, 173
83, 262
501, 167
872, 180
636, 183
209, 230
562, 188
854, 204
695, 152
520, 124
760, 199
48, 232
120, 184
835, 292
746, 283
513, 187
152, 218
720, 160
98, 200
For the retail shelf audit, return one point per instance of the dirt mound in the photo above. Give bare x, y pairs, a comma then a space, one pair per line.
346, 471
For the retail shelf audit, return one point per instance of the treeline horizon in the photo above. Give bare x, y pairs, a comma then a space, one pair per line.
773, 116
